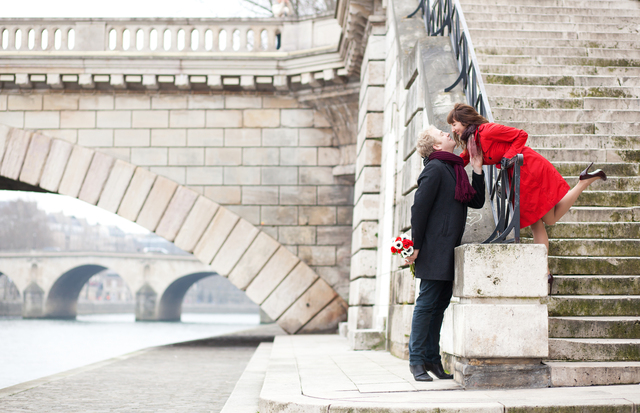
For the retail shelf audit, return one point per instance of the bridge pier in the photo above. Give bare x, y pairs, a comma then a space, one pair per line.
146, 299
33, 301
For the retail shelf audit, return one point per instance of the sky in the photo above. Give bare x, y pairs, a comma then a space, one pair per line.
127, 8
111, 8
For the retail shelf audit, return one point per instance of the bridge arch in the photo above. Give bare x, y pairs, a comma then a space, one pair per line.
170, 306
62, 299
252, 260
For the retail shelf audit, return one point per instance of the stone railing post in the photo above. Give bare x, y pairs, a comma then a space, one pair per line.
495, 333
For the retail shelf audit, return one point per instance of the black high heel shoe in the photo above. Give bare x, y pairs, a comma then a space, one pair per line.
598, 173
550, 281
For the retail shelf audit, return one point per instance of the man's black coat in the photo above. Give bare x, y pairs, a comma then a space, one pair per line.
438, 220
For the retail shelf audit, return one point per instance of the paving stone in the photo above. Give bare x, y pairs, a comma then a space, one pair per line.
35, 159
96, 178
234, 247
55, 165
156, 203
76, 170
307, 306
116, 185
223, 118
136, 194
215, 235
195, 224
176, 213
273, 272
286, 293
15, 152
256, 256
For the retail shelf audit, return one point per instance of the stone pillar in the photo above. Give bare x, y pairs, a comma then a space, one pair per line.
146, 299
33, 304
496, 334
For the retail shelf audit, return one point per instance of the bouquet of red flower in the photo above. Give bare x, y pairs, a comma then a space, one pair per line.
403, 246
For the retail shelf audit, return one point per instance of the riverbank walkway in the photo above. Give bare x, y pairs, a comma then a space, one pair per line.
233, 374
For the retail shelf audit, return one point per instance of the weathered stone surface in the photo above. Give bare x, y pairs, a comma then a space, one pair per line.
260, 195
364, 236
297, 282
76, 170
363, 264
35, 159
307, 306
279, 215
317, 215
195, 224
116, 185
56, 164
335, 195
156, 203
215, 235
176, 213
366, 339
297, 195
136, 194
297, 117
500, 270
298, 156
296, 235
253, 260
327, 320
14, 153
234, 247
362, 291
279, 175
4, 136
317, 255
360, 317
274, 271
224, 119
367, 208
280, 137
261, 118
96, 177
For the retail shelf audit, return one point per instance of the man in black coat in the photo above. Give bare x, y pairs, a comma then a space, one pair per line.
437, 224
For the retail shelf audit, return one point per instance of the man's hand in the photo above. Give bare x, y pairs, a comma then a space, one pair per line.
412, 258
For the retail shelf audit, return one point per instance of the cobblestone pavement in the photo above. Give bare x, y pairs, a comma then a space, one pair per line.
179, 378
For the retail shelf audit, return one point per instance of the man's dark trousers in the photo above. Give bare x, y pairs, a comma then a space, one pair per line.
424, 342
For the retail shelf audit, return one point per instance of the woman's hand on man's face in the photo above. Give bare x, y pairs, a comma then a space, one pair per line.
476, 163
411, 259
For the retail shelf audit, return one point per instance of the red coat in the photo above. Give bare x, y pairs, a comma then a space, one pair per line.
541, 185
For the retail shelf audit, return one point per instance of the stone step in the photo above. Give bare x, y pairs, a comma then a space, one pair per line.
559, 34
572, 128
581, 141
594, 327
594, 373
613, 183
593, 305
609, 198
471, 7
559, 92
579, 247
566, 103
579, 214
558, 60
554, 42
572, 51
596, 284
539, 80
542, 16
590, 4
554, 27
611, 168
575, 155
565, 115
594, 349
611, 230
245, 397
595, 266
558, 70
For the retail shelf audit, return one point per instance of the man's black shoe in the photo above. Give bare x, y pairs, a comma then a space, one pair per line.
438, 370
420, 373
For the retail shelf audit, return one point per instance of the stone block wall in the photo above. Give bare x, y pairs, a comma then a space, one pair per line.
263, 156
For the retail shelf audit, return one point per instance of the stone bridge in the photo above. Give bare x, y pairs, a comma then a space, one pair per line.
234, 139
51, 282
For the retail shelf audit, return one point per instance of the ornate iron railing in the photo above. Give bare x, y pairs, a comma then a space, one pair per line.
444, 17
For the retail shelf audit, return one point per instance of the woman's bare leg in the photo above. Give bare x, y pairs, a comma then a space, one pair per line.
563, 206
540, 233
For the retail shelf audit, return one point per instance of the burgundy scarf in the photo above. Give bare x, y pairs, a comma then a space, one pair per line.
464, 190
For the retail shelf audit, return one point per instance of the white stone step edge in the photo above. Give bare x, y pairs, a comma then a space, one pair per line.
593, 373
245, 396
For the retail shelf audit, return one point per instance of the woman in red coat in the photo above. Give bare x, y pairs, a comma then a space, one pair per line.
544, 195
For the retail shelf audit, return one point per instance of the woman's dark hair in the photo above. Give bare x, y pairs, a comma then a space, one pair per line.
468, 116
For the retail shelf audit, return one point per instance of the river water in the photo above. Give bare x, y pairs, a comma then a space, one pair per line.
30, 349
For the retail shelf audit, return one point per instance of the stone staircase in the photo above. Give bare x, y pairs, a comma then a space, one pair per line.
568, 72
